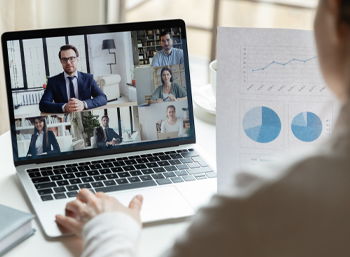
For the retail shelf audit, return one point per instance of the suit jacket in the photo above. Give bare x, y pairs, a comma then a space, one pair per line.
56, 91
46, 149
100, 139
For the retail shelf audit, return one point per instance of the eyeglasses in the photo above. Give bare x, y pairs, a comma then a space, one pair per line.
71, 59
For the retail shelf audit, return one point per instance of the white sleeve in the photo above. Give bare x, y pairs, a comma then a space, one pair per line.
181, 128
162, 128
110, 234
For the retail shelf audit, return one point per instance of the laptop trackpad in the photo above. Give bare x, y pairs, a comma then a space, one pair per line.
158, 203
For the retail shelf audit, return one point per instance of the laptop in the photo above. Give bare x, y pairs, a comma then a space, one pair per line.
168, 135
75, 95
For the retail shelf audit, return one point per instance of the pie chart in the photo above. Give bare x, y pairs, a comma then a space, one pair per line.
262, 124
307, 126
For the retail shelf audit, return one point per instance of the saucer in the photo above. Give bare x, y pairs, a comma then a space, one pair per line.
203, 96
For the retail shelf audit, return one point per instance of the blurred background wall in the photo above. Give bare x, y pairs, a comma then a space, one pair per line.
201, 16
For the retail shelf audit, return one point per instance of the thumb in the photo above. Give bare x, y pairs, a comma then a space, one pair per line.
136, 203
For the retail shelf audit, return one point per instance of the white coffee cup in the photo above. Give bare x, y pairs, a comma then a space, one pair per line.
212, 75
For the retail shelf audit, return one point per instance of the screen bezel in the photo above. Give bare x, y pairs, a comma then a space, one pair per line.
96, 29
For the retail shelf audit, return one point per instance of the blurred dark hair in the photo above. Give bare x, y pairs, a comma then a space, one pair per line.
164, 33
105, 116
41, 119
67, 47
344, 11
170, 106
161, 74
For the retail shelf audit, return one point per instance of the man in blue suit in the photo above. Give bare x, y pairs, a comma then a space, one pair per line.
71, 91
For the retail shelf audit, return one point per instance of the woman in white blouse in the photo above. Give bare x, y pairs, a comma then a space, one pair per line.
172, 124
298, 206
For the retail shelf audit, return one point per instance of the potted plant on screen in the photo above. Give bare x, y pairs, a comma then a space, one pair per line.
185, 113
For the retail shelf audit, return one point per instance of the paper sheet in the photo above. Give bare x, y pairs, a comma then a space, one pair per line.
271, 97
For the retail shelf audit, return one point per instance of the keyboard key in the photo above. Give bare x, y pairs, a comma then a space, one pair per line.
97, 184
186, 160
200, 161
44, 168
93, 172
95, 162
128, 186
40, 180
153, 159
72, 165
124, 174
34, 174
45, 191
146, 155
83, 168
174, 162
201, 176
136, 173
59, 189
95, 166
46, 197
157, 176
159, 170
177, 180
211, 174
163, 181
191, 149
87, 179
74, 181
130, 162
62, 183
146, 177
169, 174
118, 164
72, 194
71, 169
117, 169
58, 177
199, 170
140, 166
33, 170
58, 167
193, 165
72, 188
107, 165
190, 154
85, 185
46, 173
80, 174
182, 167
59, 171
164, 157
121, 181
170, 152
188, 178
68, 176
109, 160
152, 165
163, 163
105, 171
147, 171
134, 179
99, 178
45, 185
92, 191
122, 158
170, 168
112, 176
181, 173
182, 151
127, 168
109, 182
84, 163
142, 160
134, 157
59, 196
157, 154
176, 156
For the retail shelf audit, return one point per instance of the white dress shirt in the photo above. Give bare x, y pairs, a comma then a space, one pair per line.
39, 143
75, 87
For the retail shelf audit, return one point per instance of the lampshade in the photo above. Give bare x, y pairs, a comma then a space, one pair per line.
108, 44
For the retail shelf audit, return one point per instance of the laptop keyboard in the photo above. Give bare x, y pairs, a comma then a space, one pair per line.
116, 174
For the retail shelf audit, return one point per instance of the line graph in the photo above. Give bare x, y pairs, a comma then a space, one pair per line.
281, 71
284, 64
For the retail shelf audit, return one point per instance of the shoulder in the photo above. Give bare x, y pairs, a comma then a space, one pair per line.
159, 88
56, 77
175, 84
180, 51
50, 133
85, 75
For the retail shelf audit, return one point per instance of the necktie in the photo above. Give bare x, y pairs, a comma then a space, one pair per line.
71, 87
106, 133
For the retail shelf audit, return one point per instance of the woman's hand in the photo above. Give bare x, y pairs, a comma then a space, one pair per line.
87, 206
172, 98
159, 100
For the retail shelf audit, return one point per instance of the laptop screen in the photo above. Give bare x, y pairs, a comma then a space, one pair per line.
87, 91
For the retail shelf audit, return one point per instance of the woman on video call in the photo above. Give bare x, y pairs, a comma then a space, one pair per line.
169, 91
298, 206
42, 139
172, 124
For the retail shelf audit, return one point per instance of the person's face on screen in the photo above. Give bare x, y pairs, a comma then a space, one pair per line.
69, 66
171, 113
39, 125
105, 122
166, 76
166, 42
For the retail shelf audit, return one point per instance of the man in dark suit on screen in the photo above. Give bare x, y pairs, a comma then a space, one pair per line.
105, 136
71, 91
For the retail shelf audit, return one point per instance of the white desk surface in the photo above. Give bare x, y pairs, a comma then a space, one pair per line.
154, 239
